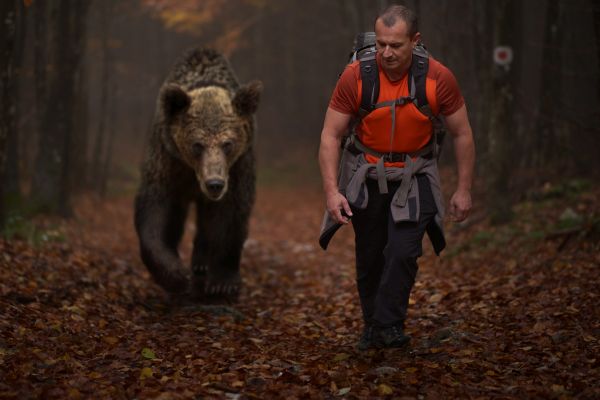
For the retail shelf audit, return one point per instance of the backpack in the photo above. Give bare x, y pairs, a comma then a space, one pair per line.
365, 52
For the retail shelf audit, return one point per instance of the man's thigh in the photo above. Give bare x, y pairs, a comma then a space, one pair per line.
404, 239
370, 224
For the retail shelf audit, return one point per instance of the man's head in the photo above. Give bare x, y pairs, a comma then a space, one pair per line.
396, 31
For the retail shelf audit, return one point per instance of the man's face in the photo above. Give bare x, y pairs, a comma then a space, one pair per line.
394, 46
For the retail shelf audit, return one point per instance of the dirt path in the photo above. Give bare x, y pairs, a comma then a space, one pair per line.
506, 313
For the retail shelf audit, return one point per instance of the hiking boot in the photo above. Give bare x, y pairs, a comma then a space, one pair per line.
391, 337
366, 339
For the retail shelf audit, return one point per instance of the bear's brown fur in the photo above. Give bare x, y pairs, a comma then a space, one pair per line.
200, 151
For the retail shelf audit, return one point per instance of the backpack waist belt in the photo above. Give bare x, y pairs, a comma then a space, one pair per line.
355, 146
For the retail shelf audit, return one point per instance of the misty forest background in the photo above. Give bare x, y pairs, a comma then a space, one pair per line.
80, 80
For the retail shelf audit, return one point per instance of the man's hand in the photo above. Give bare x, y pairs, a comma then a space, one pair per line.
336, 202
460, 205
334, 127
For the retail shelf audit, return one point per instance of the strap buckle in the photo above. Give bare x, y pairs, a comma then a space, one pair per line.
394, 157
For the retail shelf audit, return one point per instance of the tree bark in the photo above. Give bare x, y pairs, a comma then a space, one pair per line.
507, 27
596, 8
483, 42
80, 136
40, 61
112, 129
12, 176
549, 133
46, 173
51, 186
74, 106
100, 140
8, 14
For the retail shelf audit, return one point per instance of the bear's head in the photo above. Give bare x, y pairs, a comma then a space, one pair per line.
211, 129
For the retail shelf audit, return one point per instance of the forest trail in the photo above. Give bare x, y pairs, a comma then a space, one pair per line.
507, 312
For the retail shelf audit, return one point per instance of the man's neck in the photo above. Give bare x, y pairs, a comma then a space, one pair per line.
395, 75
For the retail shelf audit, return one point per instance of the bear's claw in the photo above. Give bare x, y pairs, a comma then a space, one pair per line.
222, 289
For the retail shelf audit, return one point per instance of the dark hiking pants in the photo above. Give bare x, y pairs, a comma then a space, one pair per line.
387, 252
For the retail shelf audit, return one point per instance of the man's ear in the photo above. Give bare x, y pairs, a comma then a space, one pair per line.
245, 101
416, 39
174, 100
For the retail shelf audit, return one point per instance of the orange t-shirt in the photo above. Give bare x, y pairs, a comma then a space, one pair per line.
413, 129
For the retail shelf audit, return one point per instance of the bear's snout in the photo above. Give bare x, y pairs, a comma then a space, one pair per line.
212, 174
215, 187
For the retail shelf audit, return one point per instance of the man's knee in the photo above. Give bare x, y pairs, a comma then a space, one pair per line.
403, 251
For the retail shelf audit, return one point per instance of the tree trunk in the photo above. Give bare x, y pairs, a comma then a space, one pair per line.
62, 93
351, 12
112, 128
79, 141
596, 7
417, 9
46, 173
12, 176
507, 26
483, 41
8, 14
51, 186
40, 62
549, 133
100, 140
72, 82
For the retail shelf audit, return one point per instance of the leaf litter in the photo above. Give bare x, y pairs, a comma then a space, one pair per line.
504, 313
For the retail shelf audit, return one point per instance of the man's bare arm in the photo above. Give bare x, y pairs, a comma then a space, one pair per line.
464, 149
334, 128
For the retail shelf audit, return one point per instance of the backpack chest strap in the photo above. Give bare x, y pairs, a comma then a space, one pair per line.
398, 102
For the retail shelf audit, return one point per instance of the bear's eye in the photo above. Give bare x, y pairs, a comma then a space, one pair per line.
227, 147
197, 149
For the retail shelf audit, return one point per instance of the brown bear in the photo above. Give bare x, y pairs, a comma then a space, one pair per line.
201, 152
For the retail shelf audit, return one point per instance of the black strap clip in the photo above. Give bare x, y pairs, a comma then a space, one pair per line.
394, 157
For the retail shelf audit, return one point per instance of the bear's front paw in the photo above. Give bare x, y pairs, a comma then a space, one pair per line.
222, 289
216, 291
222, 292
175, 280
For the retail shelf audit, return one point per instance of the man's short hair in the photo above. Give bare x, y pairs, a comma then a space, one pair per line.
392, 13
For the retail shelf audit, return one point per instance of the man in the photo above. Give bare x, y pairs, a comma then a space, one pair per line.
390, 218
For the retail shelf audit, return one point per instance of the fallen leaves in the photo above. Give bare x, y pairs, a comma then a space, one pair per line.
146, 372
384, 389
148, 353
509, 317
111, 340
341, 357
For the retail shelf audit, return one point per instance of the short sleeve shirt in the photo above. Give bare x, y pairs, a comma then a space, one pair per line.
449, 99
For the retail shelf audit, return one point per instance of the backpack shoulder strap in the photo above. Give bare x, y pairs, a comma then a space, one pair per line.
369, 75
418, 75
419, 69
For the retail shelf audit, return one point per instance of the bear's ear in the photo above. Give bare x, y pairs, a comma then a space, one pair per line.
245, 101
174, 100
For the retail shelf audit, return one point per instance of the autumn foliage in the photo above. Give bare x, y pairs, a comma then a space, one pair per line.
507, 312
197, 17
